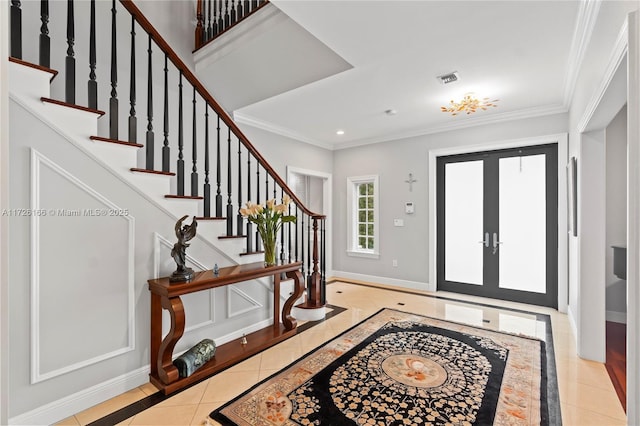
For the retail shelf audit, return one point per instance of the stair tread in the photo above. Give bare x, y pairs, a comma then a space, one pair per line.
184, 197
248, 253
116, 141
153, 172
210, 218
74, 106
222, 237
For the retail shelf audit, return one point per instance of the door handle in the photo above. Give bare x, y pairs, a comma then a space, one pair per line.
496, 243
486, 240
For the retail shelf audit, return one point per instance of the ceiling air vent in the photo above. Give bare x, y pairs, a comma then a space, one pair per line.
448, 78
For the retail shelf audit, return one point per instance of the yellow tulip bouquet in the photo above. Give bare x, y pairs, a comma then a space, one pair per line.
269, 219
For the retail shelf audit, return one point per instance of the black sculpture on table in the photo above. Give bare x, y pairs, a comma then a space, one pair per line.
184, 233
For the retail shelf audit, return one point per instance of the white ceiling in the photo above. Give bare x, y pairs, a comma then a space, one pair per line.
524, 53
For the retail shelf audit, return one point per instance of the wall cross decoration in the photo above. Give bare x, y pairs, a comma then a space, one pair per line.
410, 181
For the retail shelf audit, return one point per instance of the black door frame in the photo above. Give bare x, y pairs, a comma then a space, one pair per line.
491, 289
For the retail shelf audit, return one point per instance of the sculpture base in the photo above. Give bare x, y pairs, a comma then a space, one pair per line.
179, 276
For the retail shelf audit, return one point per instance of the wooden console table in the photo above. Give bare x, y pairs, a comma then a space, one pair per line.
164, 294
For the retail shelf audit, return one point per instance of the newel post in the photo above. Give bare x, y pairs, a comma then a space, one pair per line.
315, 288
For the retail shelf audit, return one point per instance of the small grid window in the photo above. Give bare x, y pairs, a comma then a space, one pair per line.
363, 214
365, 203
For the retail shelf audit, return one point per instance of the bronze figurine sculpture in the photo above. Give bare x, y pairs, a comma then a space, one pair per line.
184, 233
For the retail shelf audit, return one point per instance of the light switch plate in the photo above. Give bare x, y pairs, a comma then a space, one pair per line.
398, 222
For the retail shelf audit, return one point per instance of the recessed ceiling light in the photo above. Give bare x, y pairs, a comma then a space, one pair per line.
391, 112
340, 132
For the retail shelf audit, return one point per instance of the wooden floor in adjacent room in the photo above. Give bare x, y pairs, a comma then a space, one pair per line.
617, 359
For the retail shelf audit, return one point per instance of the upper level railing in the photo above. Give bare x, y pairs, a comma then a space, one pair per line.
214, 17
193, 125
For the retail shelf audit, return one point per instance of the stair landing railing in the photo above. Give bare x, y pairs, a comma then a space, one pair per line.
215, 17
193, 125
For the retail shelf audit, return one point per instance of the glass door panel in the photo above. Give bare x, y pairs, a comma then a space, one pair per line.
464, 222
522, 223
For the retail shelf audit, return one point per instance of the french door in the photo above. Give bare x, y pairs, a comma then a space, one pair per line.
497, 219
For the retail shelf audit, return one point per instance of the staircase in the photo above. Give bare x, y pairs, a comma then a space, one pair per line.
226, 170
143, 114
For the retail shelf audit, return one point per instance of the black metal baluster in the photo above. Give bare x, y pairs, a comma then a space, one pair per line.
249, 224
220, 18
229, 205
92, 85
180, 181
258, 240
16, 29
247, 7
133, 120
45, 41
239, 219
214, 27
232, 16
297, 235
218, 175
194, 151
289, 234
227, 15
254, 4
166, 150
281, 231
275, 192
113, 100
149, 147
209, 23
302, 246
70, 60
240, 11
207, 186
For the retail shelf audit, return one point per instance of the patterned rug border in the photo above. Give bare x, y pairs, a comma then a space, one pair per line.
546, 411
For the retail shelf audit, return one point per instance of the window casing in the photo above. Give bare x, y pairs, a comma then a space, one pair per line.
363, 217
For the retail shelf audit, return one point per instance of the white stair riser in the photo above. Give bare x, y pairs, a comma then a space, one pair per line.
29, 82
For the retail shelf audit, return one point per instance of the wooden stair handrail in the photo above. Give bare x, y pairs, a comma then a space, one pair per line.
191, 78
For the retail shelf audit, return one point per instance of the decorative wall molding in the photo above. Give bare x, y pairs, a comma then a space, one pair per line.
38, 161
233, 289
158, 242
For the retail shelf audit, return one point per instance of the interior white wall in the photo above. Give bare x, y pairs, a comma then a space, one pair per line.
4, 220
393, 161
592, 236
616, 212
633, 221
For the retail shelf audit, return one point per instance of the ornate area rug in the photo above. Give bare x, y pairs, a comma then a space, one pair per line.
397, 368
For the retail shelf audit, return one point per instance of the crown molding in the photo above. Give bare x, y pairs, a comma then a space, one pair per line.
585, 24
242, 118
618, 53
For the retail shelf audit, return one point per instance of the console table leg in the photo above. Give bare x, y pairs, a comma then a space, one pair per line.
167, 372
298, 288
156, 332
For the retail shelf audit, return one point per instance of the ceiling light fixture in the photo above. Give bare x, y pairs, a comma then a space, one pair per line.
391, 112
340, 132
469, 104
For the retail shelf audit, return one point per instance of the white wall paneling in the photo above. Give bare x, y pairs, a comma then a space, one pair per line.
90, 300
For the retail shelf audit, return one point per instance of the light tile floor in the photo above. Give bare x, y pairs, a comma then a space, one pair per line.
587, 396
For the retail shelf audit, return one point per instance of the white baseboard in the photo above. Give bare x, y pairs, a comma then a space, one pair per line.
620, 317
415, 285
68, 406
